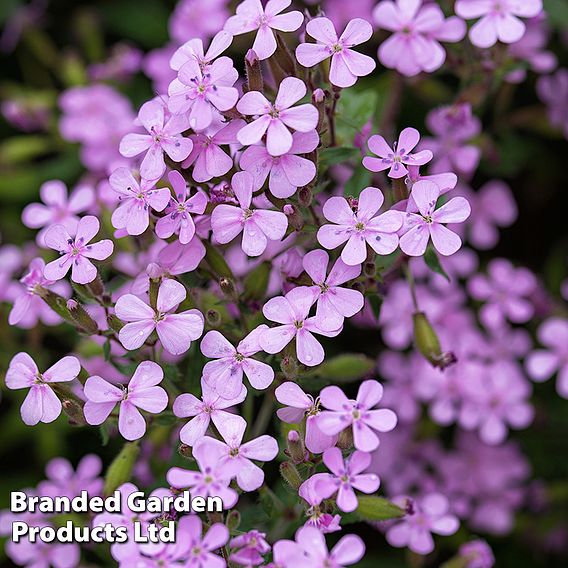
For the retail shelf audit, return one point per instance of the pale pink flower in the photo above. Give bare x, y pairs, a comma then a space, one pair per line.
257, 225
428, 221
178, 215
276, 119
135, 198
141, 392
163, 136
225, 374
175, 331
500, 19
396, 159
192, 50
360, 227
41, 403
346, 65
251, 15
76, 251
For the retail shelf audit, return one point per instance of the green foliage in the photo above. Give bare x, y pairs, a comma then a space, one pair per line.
372, 508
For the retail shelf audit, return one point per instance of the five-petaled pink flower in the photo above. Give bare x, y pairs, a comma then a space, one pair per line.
251, 15
276, 119
41, 403
417, 33
427, 221
345, 476
287, 172
358, 414
257, 225
177, 218
360, 227
500, 19
225, 374
141, 392
346, 65
192, 50
334, 303
292, 312
163, 136
136, 199
76, 251
398, 158
175, 331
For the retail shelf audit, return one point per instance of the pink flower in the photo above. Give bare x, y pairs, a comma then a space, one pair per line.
76, 251
346, 65
427, 222
141, 392
208, 159
213, 477
346, 477
41, 404
199, 550
236, 456
192, 50
211, 407
360, 227
63, 480
136, 199
257, 225
202, 93
428, 515
58, 207
194, 18
325, 522
499, 19
358, 414
248, 548
163, 136
225, 375
175, 331
334, 303
399, 157
276, 119
417, 33
41, 554
292, 311
541, 364
298, 405
177, 218
287, 172
553, 91
251, 15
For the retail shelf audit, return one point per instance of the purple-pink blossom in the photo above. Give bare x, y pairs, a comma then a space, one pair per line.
193, 50
62, 479
248, 549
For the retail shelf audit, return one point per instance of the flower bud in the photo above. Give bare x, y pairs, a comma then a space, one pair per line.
254, 72
294, 217
185, 451
114, 323
296, 449
233, 520
228, 288
74, 411
213, 318
120, 470
283, 57
81, 317
305, 196
318, 100
56, 302
345, 439
370, 269
428, 344
153, 292
289, 366
96, 287
290, 474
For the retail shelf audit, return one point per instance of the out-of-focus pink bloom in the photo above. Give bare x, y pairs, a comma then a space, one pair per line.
499, 19
193, 50
237, 456
553, 91
506, 291
211, 407
541, 364
334, 303
42, 554
430, 514
287, 172
164, 135
57, 208
208, 159
225, 374
292, 312
346, 475
343, 413
199, 549
248, 548
63, 480
346, 65
257, 225
177, 218
195, 19
276, 119
156, 67
428, 221
141, 392
298, 405
477, 554
136, 198
252, 15
76, 251
396, 159
417, 32
340, 12
41, 403
26, 114
360, 227
124, 62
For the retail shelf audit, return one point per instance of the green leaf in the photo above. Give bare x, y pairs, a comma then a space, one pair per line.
373, 508
343, 368
359, 180
375, 302
165, 419
103, 430
216, 261
256, 282
354, 109
433, 263
557, 11
106, 350
120, 470
337, 155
